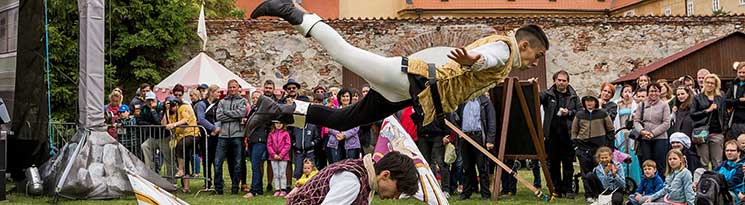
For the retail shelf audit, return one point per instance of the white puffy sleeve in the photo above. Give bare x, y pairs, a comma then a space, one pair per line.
343, 189
492, 55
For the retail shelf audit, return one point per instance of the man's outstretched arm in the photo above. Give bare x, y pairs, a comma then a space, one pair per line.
485, 56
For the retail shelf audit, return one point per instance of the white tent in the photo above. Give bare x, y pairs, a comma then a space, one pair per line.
201, 69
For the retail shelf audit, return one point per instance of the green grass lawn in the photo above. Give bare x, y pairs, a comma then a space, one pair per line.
523, 197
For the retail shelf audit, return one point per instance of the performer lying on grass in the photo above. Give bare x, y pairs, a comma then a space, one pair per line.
398, 82
354, 181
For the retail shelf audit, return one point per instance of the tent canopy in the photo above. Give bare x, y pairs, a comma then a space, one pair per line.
201, 69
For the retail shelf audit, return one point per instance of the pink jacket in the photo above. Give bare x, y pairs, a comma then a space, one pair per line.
278, 142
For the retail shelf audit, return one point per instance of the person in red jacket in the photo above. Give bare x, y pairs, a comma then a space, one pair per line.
404, 116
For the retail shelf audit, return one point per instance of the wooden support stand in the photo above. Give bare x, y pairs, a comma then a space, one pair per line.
502, 97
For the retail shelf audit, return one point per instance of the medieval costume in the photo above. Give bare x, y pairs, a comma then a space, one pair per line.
351, 181
395, 82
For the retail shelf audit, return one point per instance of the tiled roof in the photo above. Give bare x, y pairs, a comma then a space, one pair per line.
667, 60
523, 4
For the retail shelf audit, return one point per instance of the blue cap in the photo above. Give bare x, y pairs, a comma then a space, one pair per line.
123, 108
203, 86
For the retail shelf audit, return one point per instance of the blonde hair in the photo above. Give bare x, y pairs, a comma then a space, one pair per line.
731, 142
716, 88
682, 161
334, 90
309, 162
211, 90
649, 163
602, 150
193, 93
116, 93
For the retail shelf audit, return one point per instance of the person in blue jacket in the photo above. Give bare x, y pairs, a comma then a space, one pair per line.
650, 184
731, 168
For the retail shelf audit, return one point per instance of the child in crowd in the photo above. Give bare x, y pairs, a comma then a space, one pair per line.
590, 130
606, 177
309, 170
137, 110
678, 189
682, 143
304, 140
278, 146
651, 183
125, 133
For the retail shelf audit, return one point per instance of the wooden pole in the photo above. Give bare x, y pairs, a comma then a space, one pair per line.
535, 134
502, 141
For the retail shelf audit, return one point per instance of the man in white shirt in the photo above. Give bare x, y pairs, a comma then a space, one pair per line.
355, 181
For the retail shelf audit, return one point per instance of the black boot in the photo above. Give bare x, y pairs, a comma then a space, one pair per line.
267, 111
284, 9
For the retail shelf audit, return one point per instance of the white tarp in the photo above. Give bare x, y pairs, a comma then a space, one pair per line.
199, 70
148, 193
91, 73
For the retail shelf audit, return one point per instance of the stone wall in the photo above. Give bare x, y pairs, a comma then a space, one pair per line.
592, 50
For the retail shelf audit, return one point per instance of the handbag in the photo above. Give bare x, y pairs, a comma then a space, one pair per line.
700, 134
605, 198
450, 154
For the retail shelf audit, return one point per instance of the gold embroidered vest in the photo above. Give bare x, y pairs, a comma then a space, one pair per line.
458, 84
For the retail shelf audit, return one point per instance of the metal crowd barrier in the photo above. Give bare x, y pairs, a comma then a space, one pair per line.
61, 134
156, 146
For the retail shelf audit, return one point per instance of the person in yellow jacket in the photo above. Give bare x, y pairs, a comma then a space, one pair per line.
181, 120
309, 170
399, 82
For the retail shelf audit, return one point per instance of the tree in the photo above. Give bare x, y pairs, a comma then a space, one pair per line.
144, 39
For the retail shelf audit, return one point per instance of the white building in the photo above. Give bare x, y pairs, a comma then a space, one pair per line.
8, 45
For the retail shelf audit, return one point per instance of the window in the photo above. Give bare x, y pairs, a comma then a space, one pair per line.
629, 13
8, 30
689, 8
715, 5
668, 11
742, 2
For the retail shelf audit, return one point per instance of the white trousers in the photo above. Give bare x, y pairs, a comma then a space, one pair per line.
279, 168
382, 73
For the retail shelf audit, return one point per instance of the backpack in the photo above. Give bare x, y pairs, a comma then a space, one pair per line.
712, 190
